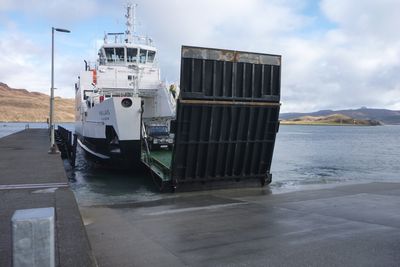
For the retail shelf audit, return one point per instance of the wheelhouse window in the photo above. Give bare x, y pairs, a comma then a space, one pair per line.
131, 54
115, 54
109, 54
120, 54
102, 58
142, 56
150, 56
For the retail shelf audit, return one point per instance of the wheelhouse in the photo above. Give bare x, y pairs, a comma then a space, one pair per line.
115, 54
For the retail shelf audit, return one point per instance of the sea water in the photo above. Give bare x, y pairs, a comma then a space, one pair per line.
7, 128
313, 155
305, 157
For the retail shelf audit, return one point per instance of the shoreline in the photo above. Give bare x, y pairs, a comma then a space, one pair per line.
36, 122
326, 124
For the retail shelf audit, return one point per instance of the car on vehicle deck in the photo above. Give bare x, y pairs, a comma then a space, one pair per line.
158, 136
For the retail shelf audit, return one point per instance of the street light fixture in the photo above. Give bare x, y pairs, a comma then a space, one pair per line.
53, 147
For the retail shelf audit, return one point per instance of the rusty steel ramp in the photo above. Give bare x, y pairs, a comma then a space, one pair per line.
227, 118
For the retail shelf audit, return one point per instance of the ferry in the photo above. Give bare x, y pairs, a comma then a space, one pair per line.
119, 94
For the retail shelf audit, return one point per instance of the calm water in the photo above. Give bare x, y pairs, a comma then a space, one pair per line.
9, 128
307, 155
304, 157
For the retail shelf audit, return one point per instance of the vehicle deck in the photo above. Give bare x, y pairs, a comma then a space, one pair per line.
159, 163
163, 156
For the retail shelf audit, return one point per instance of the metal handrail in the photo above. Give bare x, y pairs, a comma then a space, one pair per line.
144, 135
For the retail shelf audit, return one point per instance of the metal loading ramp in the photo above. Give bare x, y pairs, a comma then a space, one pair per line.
227, 119
226, 122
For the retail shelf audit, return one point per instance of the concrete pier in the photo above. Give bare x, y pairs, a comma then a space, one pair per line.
31, 178
350, 225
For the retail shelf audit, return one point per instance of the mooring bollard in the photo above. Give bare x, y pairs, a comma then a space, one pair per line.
33, 237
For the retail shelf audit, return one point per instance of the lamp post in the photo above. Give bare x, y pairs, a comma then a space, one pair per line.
53, 148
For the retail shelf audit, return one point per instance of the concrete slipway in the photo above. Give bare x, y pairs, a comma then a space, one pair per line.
351, 225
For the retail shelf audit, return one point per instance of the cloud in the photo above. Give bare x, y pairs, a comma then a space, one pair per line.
26, 63
350, 65
6, 5
367, 19
243, 25
336, 54
364, 48
22, 62
56, 10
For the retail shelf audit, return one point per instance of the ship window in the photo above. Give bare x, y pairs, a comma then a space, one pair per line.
116, 54
142, 58
120, 54
102, 59
150, 56
109, 54
131, 54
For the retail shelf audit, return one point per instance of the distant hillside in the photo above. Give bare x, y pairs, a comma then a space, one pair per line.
334, 119
20, 105
385, 116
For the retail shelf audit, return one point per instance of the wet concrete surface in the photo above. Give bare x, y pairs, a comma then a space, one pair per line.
24, 159
350, 225
31, 178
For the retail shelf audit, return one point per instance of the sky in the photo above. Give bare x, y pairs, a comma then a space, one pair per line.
336, 54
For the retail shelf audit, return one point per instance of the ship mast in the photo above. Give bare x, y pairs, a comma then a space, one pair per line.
130, 22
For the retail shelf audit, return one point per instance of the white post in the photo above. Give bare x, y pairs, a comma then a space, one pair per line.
33, 237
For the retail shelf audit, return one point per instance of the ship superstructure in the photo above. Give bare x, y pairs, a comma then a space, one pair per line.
119, 94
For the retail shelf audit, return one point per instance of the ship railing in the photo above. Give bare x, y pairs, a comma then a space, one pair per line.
107, 93
97, 96
135, 39
146, 145
171, 97
91, 65
148, 92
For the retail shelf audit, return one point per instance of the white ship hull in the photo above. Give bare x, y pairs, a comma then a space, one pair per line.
111, 132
